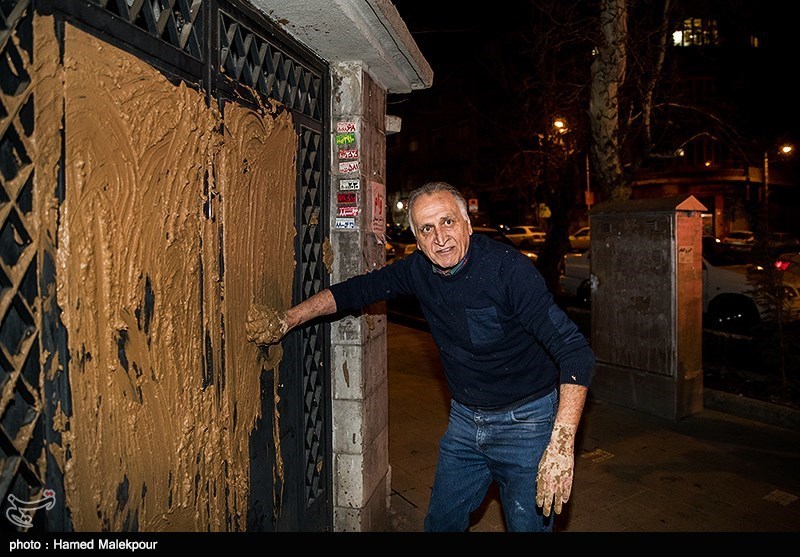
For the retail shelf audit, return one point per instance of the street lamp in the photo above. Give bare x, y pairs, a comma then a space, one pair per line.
782, 150
560, 124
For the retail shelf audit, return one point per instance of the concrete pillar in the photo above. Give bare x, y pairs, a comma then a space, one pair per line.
361, 475
720, 223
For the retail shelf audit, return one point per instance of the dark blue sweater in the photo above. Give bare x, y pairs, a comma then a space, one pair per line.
501, 336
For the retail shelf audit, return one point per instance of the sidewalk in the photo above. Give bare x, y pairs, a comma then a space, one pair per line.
712, 472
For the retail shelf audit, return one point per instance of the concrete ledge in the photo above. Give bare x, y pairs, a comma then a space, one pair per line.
368, 30
752, 409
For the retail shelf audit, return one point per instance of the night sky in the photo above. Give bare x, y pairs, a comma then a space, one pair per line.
450, 32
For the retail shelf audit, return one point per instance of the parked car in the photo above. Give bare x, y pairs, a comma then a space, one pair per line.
530, 236
740, 239
402, 244
729, 300
777, 242
780, 242
729, 290
531, 252
789, 262
575, 279
493, 233
580, 240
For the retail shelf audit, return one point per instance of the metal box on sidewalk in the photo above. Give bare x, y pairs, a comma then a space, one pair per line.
647, 311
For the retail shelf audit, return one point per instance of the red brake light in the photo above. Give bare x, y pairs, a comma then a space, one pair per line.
782, 265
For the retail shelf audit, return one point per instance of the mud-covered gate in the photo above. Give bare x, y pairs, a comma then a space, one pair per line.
162, 167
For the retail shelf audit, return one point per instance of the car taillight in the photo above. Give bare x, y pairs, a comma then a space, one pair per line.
782, 265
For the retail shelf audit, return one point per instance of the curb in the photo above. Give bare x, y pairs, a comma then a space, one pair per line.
758, 410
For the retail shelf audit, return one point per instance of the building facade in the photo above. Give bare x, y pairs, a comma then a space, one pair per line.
164, 168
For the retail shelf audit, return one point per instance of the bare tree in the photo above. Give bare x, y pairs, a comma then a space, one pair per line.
608, 74
580, 63
627, 71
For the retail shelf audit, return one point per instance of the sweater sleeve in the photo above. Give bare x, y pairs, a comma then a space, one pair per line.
382, 284
540, 316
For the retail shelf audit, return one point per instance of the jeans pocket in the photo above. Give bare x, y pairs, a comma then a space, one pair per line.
541, 411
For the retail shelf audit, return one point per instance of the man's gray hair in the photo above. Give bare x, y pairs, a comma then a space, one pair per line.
431, 188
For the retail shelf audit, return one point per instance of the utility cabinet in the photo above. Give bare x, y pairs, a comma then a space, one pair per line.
647, 311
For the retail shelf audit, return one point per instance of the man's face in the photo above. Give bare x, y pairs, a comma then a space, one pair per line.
442, 232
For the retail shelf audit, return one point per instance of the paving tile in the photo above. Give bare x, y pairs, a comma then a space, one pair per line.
634, 472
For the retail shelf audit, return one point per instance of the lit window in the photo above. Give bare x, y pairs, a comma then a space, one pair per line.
696, 31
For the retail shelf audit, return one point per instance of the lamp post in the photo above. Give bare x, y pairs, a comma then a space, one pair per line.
588, 194
783, 150
765, 176
561, 127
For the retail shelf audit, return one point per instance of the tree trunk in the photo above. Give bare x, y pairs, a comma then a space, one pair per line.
608, 73
560, 199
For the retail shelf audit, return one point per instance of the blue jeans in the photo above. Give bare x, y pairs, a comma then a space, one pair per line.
481, 446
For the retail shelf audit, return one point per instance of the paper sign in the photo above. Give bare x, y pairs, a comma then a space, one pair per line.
348, 166
345, 138
349, 184
348, 198
378, 210
348, 153
345, 127
345, 224
347, 211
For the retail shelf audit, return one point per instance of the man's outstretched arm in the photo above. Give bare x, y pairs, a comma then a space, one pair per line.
267, 325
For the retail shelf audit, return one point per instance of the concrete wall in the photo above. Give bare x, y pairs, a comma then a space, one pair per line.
361, 475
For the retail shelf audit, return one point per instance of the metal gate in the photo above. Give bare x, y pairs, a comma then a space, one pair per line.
230, 52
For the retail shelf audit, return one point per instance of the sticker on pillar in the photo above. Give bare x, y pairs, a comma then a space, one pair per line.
685, 255
347, 198
345, 127
345, 138
378, 211
348, 153
348, 166
349, 185
347, 211
346, 223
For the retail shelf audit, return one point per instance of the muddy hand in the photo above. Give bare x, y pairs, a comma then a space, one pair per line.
265, 325
554, 478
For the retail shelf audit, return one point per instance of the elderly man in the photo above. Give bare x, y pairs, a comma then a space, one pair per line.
517, 367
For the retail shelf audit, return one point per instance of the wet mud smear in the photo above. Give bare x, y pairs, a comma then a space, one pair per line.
257, 167
328, 255
153, 446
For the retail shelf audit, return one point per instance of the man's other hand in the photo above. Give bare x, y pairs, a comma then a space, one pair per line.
554, 478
